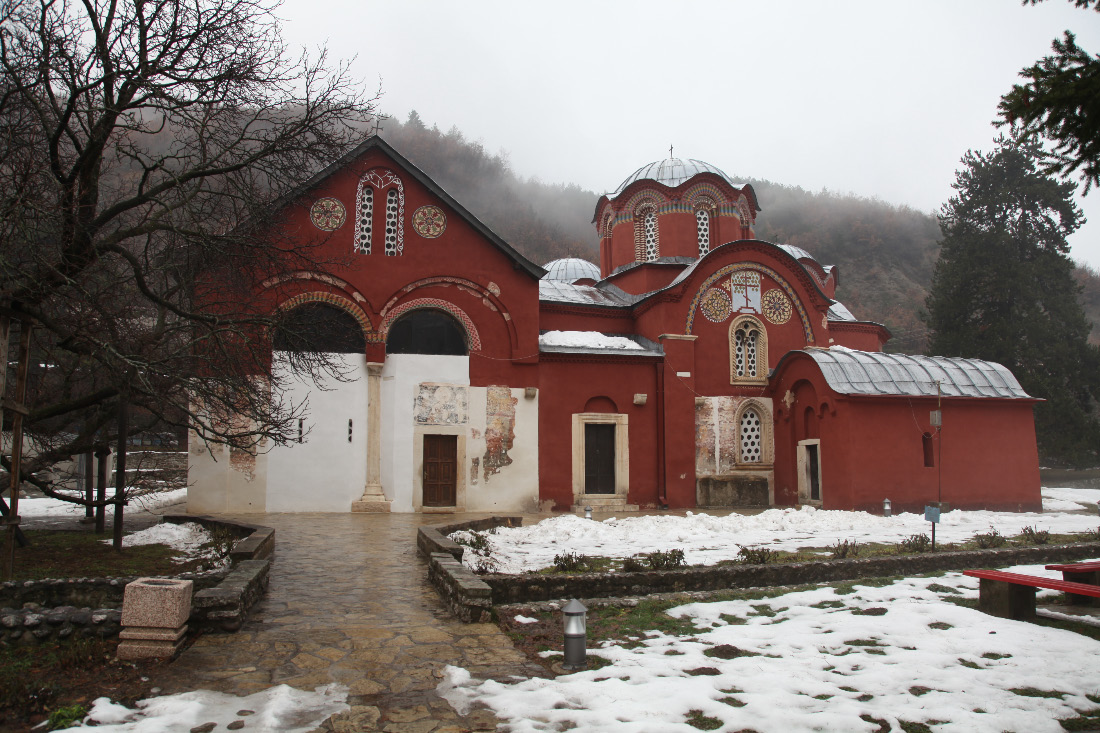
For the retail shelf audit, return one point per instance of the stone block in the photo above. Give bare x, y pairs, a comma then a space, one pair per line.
1007, 600
157, 603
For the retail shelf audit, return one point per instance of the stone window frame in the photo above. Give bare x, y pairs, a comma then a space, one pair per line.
767, 438
622, 453
761, 376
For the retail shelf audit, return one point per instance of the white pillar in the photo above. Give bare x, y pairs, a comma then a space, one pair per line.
373, 499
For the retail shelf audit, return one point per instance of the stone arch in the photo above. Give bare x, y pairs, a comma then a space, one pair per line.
489, 295
722, 272
334, 299
473, 339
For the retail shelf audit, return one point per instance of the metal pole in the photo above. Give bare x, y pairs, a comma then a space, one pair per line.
7, 559
120, 467
101, 454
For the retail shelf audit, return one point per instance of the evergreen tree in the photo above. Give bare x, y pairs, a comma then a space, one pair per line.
1003, 290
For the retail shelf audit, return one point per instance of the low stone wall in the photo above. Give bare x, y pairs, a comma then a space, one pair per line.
43, 610
513, 589
468, 598
226, 606
433, 538
34, 624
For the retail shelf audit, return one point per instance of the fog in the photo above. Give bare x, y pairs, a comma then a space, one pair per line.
878, 99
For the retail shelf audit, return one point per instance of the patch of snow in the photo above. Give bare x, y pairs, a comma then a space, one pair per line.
521, 619
586, 340
816, 660
46, 507
187, 538
280, 708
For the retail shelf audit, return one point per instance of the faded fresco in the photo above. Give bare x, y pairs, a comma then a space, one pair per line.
500, 422
441, 404
716, 436
704, 438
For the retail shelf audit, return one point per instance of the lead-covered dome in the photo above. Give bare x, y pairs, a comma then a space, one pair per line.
672, 172
570, 269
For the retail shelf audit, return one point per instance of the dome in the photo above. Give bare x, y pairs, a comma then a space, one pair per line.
571, 269
672, 172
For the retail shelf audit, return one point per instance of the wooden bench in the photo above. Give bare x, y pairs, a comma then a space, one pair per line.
1012, 595
1080, 572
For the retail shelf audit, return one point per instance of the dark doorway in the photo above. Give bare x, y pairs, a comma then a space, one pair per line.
599, 458
440, 470
815, 472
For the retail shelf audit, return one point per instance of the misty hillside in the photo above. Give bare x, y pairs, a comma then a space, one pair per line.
885, 253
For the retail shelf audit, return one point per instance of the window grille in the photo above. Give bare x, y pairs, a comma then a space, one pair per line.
366, 219
702, 229
751, 437
651, 252
393, 206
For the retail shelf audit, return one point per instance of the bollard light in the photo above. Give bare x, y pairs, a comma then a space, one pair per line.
588, 512
1098, 507
575, 635
886, 507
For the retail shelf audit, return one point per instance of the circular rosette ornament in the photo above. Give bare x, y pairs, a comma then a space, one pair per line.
776, 307
715, 305
429, 221
327, 214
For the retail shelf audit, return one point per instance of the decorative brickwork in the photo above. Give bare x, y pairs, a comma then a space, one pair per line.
320, 296
380, 179
723, 272
473, 340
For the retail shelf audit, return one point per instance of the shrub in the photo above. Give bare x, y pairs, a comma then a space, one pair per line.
476, 541
756, 556
665, 559
992, 538
633, 565
66, 717
1035, 536
844, 548
571, 562
915, 543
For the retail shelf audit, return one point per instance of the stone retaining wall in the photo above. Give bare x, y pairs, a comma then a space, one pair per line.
465, 593
42, 610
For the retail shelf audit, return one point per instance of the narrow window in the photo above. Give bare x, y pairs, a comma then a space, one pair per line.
393, 223
365, 220
751, 437
748, 350
651, 252
702, 230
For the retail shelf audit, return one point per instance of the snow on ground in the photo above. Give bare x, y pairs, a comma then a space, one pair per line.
188, 538
280, 708
817, 660
707, 539
45, 507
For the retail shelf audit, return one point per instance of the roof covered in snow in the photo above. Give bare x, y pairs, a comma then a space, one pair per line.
672, 172
837, 312
570, 269
560, 291
595, 342
874, 373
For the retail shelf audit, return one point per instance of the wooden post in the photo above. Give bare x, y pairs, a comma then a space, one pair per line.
120, 467
89, 485
7, 558
101, 454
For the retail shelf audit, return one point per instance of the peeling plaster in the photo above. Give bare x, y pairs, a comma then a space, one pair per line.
475, 464
500, 419
441, 404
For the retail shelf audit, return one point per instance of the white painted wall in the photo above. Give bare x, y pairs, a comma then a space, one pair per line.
326, 472
515, 487
401, 379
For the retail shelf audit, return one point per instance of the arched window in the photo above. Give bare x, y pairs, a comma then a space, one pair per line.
702, 230
647, 246
317, 327
752, 437
748, 351
380, 180
426, 331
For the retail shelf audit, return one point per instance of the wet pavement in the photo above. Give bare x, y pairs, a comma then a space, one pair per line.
349, 602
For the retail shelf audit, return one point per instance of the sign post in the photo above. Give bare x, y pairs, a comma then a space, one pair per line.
932, 514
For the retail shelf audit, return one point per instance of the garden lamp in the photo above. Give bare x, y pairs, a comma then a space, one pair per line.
575, 633
886, 507
588, 512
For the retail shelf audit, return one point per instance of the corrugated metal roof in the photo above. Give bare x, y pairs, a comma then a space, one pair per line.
559, 291
569, 269
875, 373
796, 252
837, 312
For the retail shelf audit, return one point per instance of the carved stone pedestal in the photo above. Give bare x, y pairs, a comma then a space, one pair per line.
154, 617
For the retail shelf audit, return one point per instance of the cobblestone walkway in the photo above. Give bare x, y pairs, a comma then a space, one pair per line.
349, 602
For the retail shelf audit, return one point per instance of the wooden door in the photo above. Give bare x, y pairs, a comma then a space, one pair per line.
599, 458
440, 470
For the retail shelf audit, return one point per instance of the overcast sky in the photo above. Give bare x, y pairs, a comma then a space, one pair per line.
876, 98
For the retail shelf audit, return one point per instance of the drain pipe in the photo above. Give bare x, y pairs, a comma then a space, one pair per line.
661, 482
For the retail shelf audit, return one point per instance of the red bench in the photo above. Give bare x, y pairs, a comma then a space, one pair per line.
1080, 572
1012, 595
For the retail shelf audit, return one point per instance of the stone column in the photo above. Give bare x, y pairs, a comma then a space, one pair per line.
373, 499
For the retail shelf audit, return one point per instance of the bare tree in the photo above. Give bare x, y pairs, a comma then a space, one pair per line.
143, 145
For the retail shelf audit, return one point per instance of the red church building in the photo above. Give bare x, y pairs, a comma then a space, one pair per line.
696, 366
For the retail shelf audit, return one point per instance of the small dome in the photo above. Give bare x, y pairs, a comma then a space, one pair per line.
672, 172
570, 269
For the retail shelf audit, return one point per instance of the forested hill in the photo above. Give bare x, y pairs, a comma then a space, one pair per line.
885, 253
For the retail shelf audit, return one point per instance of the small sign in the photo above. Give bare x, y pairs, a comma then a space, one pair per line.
936, 418
932, 514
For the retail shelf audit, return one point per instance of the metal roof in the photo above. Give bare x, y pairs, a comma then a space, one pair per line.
875, 373
672, 172
797, 252
570, 269
837, 312
645, 347
559, 291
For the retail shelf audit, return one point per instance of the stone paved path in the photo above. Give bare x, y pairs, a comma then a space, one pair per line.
349, 602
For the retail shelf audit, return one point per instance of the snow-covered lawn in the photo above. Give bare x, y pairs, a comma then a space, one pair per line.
279, 708
707, 539
44, 507
828, 659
